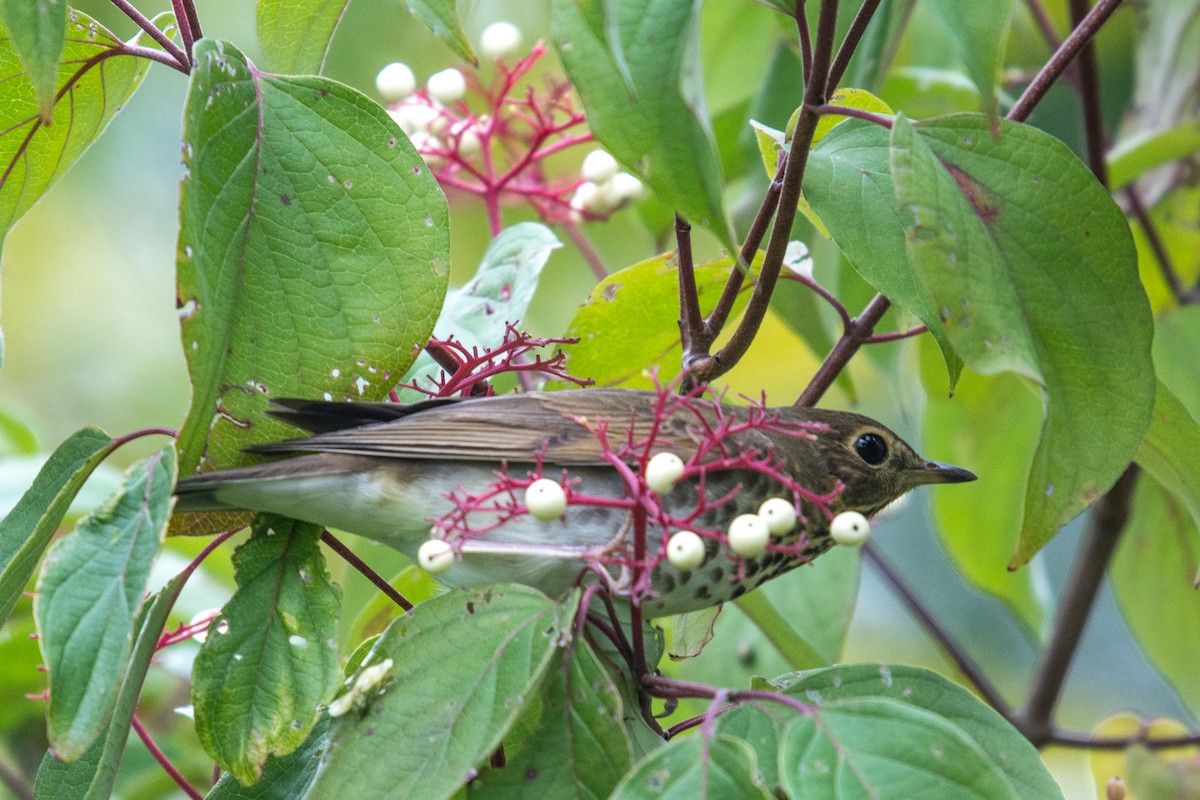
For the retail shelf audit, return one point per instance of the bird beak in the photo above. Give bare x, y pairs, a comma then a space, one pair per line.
937, 472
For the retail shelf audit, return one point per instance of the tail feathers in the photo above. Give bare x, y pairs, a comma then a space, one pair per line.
204, 492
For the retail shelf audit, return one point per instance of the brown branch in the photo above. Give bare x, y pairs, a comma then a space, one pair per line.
1089, 94
691, 323
1062, 57
858, 334
849, 44
374, 577
1111, 513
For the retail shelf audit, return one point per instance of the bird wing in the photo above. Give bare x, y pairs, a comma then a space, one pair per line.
564, 427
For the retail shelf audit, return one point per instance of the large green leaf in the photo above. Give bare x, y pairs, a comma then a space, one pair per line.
978, 523
37, 32
313, 249
979, 32
848, 180
283, 777
270, 658
26, 531
578, 750
89, 594
628, 324
93, 81
636, 66
1033, 270
692, 768
902, 732
295, 36
1169, 451
1153, 579
93, 775
462, 665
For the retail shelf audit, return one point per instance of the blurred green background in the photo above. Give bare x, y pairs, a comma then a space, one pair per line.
91, 337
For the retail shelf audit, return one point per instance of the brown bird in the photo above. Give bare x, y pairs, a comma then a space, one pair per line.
385, 471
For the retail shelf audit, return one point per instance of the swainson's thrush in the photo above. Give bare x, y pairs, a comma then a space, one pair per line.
384, 471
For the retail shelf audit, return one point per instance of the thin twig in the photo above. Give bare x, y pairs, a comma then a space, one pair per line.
849, 44
856, 336
1064, 739
153, 32
706, 369
374, 577
882, 120
690, 321
966, 665
16, 783
1099, 542
1040, 16
158, 755
1165, 264
1089, 95
586, 249
1062, 57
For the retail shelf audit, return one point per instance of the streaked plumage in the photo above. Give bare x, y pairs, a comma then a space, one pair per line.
383, 471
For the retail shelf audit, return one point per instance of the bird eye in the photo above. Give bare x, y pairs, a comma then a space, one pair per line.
871, 448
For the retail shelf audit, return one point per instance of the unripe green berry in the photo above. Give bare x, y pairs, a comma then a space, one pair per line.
780, 515
850, 528
435, 556
663, 472
685, 550
748, 535
545, 499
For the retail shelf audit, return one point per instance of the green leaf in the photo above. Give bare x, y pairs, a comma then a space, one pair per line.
980, 35
827, 591
693, 768
461, 667
636, 66
848, 179
978, 523
578, 750
1169, 451
628, 324
295, 36
283, 777
34, 155
902, 732
92, 585
1013, 237
37, 31
26, 531
761, 726
313, 249
93, 775
441, 16
1149, 150
1153, 573
270, 658
477, 313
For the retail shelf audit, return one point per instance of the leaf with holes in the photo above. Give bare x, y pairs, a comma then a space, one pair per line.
313, 250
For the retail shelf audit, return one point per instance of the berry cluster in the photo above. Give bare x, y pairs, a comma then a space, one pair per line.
492, 140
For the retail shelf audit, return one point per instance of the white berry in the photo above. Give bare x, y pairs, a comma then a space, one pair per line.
748, 535
586, 197
779, 514
663, 472
685, 550
435, 556
447, 86
395, 82
850, 528
499, 40
414, 117
598, 167
469, 143
623, 189
545, 499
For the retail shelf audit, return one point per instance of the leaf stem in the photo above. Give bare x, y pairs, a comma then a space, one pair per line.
1089, 94
1165, 265
690, 320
